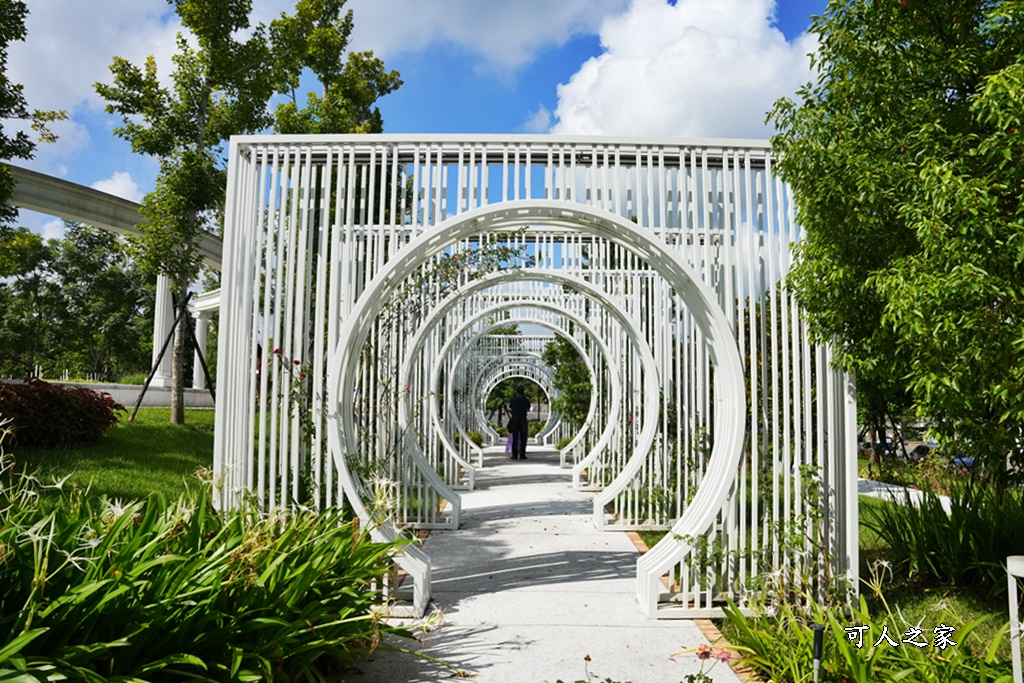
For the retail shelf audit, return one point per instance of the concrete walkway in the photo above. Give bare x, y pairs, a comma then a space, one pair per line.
896, 494
528, 587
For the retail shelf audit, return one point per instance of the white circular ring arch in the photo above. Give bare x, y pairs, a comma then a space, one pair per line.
698, 297
630, 326
606, 437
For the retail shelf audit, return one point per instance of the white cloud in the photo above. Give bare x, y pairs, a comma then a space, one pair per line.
42, 224
120, 185
696, 68
72, 138
506, 35
52, 229
70, 45
539, 121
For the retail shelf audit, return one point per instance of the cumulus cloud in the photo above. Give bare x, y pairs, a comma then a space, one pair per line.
505, 35
51, 229
539, 121
70, 45
696, 68
72, 138
44, 225
120, 185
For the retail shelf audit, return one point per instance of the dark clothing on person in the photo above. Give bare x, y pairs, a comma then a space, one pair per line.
519, 424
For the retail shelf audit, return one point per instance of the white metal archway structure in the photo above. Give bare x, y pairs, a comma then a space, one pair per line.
591, 334
701, 301
616, 380
477, 396
344, 366
548, 306
316, 224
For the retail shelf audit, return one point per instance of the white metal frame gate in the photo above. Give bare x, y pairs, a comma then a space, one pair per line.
349, 342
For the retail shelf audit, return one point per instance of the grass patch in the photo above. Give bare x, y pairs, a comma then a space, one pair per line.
651, 538
921, 600
967, 546
916, 599
926, 603
133, 459
872, 546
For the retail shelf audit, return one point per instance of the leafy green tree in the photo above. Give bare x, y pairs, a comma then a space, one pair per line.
75, 304
901, 159
571, 378
107, 304
30, 300
316, 37
497, 400
14, 107
220, 86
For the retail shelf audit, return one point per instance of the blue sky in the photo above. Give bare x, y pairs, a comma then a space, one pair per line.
690, 68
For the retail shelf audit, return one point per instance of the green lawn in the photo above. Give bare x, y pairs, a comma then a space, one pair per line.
133, 459
923, 601
918, 601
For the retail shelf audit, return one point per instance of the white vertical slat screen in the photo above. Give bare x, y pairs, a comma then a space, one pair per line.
313, 222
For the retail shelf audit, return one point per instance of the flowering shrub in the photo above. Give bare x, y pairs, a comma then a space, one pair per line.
45, 415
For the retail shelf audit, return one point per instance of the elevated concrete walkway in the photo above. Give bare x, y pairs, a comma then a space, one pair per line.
528, 587
128, 394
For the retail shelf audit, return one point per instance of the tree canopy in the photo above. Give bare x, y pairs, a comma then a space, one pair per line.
571, 378
13, 106
903, 157
77, 304
316, 37
226, 72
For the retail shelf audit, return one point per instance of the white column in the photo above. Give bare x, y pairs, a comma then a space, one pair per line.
1014, 570
163, 321
202, 332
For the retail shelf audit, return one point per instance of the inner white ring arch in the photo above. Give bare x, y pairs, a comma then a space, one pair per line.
521, 303
602, 347
698, 297
630, 326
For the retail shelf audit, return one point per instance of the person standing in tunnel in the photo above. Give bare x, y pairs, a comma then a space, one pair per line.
519, 423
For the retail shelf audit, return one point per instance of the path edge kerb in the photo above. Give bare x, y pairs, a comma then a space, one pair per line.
742, 670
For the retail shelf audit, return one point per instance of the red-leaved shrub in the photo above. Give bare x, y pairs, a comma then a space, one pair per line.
48, 415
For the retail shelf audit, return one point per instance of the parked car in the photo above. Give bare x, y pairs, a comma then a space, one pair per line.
927, 450
963, 462
884, 449
921, 451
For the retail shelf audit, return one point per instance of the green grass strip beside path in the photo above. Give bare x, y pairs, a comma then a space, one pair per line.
134, 459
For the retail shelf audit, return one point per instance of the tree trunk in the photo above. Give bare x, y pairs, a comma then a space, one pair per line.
178, 364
